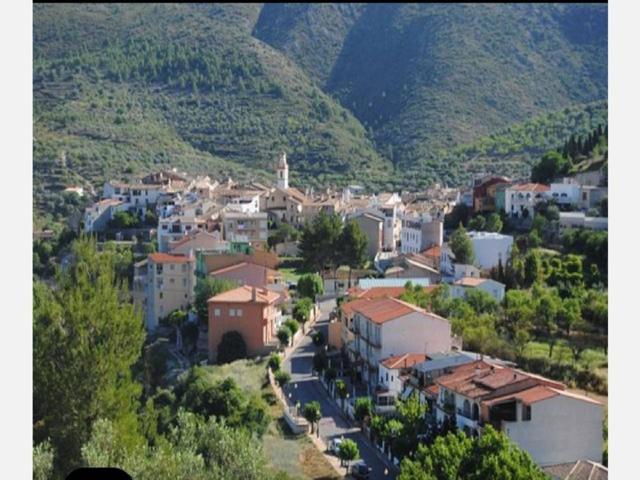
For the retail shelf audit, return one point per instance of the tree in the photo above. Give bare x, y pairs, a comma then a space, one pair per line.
319, 243
551, 165
312, 414
392, 431
274, 362
521, 340
341, 390
461, 246
293, 326
362, 409
411, 413
353, 246
199, 394
195, 448
348, 451
177, 319
477, 223
493, 223
569, 314
310, 285
43, 455
546, 317
232, 347
205, 289
532, 268
86, 339
455, 456
284, 336
302, 310
282, 378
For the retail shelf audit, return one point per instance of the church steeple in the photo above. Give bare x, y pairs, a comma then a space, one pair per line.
283, 171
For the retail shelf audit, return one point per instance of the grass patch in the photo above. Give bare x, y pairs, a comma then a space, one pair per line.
591, 358
296, 455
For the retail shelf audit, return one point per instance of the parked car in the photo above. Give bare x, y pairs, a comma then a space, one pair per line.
334, 446
360, 470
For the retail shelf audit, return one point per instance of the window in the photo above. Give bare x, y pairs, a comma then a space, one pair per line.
526, 413
232, 312
184, 282
238, 312
184, 267
171, 267
160, 296
216, 312
172, 281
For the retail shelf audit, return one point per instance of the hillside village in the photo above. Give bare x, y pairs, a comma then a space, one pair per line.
383, 338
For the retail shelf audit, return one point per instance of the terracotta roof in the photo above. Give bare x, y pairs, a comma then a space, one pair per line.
404, 361
381, 292
348, 307
244, 294
531, 187
470, 281
382, 310
432, 252
168, 258
528, 396
242, 265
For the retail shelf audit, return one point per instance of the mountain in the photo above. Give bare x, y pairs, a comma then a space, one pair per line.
385, 94
425, 75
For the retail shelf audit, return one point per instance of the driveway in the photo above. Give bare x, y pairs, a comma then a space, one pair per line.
305, 388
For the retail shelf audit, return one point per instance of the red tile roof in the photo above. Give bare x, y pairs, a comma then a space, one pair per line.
381, 310
244, 294
470, 281
432, 252
381, 292
348, 308
168, 258
404, 361
531, 187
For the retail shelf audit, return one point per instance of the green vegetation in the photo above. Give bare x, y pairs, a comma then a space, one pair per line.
221, 89
86, 341
207, 288
461, 245
311, 412
302, 310
348, 452
310, 286
454, 456
232, 347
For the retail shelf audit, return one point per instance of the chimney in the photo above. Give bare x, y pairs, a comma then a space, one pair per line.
477, 370
253, 294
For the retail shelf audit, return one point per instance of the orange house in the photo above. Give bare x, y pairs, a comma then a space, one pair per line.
248, 310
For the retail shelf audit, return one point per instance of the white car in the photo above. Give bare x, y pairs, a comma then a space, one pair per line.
334, 445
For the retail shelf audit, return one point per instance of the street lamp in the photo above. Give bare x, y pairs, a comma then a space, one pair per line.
386, 472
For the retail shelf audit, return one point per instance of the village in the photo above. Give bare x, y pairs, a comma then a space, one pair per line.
373, 347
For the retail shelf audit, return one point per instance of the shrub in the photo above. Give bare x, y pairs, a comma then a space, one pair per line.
232, 347
292, 325
282, 378
274, 362
284, 336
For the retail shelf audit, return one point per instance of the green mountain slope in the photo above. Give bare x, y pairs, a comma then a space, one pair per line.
425, 75
193, 76
390, 95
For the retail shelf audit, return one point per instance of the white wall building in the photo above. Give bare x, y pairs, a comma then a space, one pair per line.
490, 248
565, 193
460, 287
387, 327
420, 232
580, 220
520, 199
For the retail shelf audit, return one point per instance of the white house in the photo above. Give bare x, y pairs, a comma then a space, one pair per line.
386, 327
580, 220
420, 232
520, 199
97, 216
461, 270
538, 414
490, 248
393, 373
461, 286
565, 193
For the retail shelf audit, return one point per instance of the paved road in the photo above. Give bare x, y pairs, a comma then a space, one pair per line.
304, 388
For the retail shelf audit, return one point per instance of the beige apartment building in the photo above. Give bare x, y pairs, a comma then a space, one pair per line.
245, 227
163, 283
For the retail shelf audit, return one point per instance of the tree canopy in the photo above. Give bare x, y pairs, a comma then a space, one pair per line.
461, 246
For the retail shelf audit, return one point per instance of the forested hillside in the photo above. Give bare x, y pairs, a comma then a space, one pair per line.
390, 95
